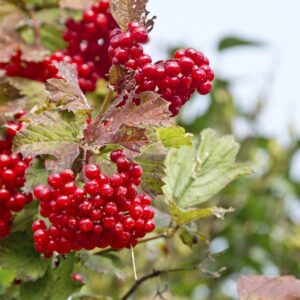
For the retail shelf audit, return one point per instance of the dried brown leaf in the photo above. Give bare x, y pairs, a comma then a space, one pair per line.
268, 288
125, 11
66, 93
126, 125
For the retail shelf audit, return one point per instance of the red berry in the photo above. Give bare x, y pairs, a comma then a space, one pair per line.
92, 171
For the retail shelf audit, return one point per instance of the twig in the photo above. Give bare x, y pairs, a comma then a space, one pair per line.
155, 273
167, 234
133, 263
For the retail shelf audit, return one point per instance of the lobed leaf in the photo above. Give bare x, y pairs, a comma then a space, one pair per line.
174, 137
51, 133
126, 125
195, 174
184, 216
66, 93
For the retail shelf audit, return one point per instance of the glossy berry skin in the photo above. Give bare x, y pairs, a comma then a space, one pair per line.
91, 57
174, 80
12, 176
107, 211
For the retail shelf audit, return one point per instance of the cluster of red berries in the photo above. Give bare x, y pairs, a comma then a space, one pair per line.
12, 171
87, 47
175, 80
107, 211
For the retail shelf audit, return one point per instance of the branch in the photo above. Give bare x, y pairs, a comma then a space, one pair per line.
155, 273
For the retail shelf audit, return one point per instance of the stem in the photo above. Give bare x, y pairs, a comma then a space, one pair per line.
133, 264
106, 101
155, 273
166, 235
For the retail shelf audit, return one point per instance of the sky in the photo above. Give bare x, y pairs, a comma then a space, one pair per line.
271, 71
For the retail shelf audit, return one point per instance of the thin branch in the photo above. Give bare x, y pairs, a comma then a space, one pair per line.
166, 235
155, 273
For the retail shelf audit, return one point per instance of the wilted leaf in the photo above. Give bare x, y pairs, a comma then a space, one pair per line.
55, 285
127, 125
66, 93
184, 216
125, 11
268, 288
103, 263
24, 260
35, 174
195, 174
231, 42
52, 133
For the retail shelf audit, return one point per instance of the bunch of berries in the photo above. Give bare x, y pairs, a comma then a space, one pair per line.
12, 171
87, 46
175, 80
107, 211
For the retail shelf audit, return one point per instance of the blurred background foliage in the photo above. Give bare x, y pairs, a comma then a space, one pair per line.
261, 236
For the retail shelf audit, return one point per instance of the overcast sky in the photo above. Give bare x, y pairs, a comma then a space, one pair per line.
272, 71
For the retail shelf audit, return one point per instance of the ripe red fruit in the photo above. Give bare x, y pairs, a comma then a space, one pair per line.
105, 212
92, 171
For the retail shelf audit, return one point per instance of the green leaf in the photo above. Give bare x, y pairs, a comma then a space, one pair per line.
161, 219
232, 41
195, 174
19, 93
190, 235
35, 174
104, 263
53, 133
184, 216
55, 285
52, 37
6, 277
18, 254
24, 219
174, 137
152, 161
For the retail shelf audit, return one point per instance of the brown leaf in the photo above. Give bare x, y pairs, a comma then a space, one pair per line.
125, 11
66, 93
76, 4
10, 41
269, 288
126, 125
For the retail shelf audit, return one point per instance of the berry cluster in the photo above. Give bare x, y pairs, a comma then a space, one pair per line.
87, 46
12, 171
175, 80
107, 211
